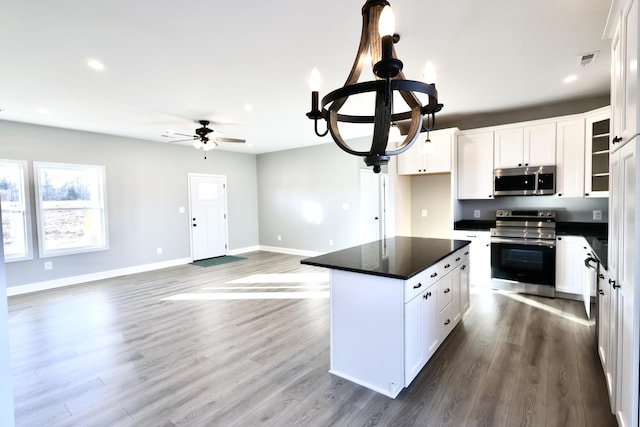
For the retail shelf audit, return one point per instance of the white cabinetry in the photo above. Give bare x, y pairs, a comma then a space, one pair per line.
426, 157
596, 147
606, 329
570, 163
480, 255
569, 264
475, 165
525, 146
384, 330
625, 275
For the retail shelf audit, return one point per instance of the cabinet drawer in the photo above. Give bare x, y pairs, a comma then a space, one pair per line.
420, 282
445, 322
445, 291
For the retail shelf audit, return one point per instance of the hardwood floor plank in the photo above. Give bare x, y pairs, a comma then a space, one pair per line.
118, 352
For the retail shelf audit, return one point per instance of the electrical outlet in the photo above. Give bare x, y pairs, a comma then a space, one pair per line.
279, 237
159, 251
330, 242
181, 209
424, 213
48, 265
476, 213
597, 215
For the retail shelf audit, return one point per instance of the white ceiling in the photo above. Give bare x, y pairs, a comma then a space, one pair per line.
170, 63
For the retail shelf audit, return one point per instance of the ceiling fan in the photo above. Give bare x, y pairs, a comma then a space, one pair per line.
203, 138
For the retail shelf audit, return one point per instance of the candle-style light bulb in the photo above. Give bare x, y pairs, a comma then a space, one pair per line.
429, 74
314, 80
387, 22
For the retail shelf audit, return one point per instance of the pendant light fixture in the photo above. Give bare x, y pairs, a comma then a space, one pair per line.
376, 42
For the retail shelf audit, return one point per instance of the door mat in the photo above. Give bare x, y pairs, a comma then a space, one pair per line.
210, 262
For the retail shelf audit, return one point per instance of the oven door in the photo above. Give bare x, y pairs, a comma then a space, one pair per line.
524, 261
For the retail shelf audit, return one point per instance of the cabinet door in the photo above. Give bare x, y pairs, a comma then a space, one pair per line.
475, 165
410, 162
421, 332
569, 264
540, 145
630, 74
464, 287
617, 88
438, 158
606, 329
570, 164
508, 148
596, 156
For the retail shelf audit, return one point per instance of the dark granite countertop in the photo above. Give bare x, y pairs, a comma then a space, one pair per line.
394, 257
473, 225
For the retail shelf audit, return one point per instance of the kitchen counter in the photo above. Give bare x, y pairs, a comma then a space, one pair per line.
394, 257
392, 304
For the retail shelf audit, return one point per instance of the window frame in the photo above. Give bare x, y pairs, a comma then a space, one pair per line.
102, 207
23, 165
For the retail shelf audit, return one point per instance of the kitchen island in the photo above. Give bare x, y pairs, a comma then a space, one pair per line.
393, 302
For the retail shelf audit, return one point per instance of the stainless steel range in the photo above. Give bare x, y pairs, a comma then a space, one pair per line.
523, 251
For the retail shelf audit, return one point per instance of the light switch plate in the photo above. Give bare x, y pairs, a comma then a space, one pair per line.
597, 215
476, 213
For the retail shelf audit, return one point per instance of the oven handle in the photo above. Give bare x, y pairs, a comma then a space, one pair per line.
526, 242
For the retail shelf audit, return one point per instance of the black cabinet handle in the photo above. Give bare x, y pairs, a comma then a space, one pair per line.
613, 283
519, 164
446, 291
600, 276
447, 266
419, 285
434, 275
458, 259
427, 295
601, 292
559, 194
195, 225
466, 253
463, 267
526, 164
586, 194
616, 139
447, 322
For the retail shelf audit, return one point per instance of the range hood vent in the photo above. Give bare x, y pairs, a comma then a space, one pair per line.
587, 58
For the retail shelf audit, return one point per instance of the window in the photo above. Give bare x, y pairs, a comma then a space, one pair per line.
71, 208
16, 228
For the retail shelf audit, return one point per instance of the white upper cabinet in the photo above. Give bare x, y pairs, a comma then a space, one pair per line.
475, 165
596, 152
428, 156
525, 146
570, 164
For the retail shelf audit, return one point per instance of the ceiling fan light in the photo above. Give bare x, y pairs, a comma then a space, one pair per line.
209, 147
197, 144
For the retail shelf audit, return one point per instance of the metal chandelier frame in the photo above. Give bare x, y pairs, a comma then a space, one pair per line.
389, 79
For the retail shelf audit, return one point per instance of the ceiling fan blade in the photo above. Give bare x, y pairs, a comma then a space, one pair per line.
221, 139
183, 134
183, 140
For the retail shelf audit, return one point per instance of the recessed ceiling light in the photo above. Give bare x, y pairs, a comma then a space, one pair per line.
95, 64
42, 110
570, 78
248, 108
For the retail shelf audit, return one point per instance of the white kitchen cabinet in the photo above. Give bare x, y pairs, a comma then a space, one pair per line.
479, 257
596, 148
428, 157
525, 146
625, 272
475, 165
606, 329
461, 286
421, 331
569, 264
570, 158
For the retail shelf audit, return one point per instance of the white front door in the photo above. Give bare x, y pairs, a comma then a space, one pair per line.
208, 220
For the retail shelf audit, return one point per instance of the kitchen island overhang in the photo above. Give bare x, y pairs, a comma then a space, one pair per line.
392, 303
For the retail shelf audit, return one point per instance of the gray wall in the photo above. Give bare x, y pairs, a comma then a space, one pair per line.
146, 184
321, 174
433, 193
6, 386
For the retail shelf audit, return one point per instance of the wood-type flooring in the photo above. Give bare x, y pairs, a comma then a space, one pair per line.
247, 343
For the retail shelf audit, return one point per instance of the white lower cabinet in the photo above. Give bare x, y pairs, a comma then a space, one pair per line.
480, 255
569, 267
606, 329
421, 331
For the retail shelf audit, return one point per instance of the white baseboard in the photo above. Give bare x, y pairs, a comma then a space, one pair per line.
289, 251
74, 280
84, 278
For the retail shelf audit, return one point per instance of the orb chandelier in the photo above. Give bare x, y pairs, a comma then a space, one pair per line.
376, 47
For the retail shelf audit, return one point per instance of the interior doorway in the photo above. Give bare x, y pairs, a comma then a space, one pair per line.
208, 216
373, 202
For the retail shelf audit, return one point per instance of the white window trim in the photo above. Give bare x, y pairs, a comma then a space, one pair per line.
27, 213
41, 232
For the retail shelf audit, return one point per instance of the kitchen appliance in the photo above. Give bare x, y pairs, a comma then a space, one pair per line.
523, 251
525, 181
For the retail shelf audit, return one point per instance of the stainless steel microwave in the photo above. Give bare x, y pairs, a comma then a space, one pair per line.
527, 181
